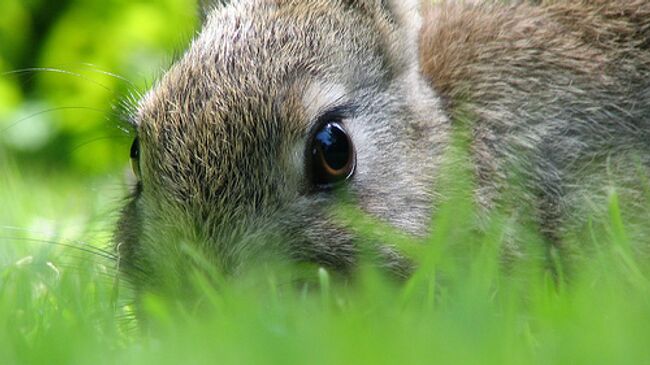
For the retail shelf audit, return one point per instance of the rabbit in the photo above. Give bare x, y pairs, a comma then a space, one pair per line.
278, 107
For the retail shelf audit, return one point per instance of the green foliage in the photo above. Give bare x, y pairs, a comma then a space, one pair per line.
66, 65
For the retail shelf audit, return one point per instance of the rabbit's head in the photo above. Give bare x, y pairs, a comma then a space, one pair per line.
276, 110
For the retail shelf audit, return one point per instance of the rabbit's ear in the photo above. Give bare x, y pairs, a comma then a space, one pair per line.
406, 13
399, 23
206, 6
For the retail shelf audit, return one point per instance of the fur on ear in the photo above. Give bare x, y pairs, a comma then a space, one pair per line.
399, 21
206, 6
404, 12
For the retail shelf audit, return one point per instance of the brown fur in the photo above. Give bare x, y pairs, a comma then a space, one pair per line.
557, 88
459, 42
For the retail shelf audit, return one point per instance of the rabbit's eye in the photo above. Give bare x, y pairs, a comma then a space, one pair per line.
333, 158
135, 157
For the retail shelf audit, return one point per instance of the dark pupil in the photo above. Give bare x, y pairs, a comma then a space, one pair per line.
335, 146
135, 149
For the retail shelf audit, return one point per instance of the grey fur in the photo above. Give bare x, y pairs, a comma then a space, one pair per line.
223, 133
208, 6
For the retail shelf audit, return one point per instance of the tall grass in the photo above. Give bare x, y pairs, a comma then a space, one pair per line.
66, 305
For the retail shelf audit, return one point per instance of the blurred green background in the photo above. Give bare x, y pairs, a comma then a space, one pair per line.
64, 118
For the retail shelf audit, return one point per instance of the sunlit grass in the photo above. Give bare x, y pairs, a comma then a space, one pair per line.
61, 305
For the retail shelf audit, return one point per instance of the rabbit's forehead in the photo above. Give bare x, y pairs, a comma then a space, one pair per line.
254, 63
252, 79
188, 104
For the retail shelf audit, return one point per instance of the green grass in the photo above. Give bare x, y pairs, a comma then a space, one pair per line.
61, 305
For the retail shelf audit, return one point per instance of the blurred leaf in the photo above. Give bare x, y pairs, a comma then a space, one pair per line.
15, 29
10, 97
92, 54
30, 131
